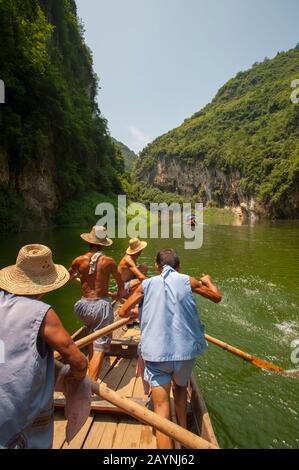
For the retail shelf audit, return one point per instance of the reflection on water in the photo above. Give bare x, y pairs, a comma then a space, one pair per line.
257, 269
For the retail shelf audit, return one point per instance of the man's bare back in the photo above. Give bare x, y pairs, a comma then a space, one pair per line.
96, 285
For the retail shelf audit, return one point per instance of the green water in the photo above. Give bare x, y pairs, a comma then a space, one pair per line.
257, 270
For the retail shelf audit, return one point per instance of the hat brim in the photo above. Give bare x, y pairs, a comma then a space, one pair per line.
137, 250
15, 281
96, 241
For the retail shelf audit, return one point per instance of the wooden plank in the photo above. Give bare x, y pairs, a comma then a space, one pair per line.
138, 389
79, 439
95, 434
147, 438
59, 429
200, 413
109, 363
126, 386
109, 434
114, 377
103, 406
121, 428
131, 435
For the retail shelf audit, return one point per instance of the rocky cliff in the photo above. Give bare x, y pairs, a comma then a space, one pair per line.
54, 142
241, 150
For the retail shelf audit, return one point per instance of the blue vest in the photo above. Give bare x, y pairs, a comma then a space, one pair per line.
26, 378
170, 324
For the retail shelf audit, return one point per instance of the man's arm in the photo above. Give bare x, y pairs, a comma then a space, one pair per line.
134, 299
120, 283
53, 332
134, 270
206, 288
74, 269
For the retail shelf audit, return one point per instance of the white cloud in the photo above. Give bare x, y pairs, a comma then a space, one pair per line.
138, 139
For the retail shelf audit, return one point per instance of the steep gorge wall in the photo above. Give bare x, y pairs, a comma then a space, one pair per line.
54, 142
210, 186
241, 150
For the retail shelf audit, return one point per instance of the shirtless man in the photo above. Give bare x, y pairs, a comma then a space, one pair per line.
131, 274
94, 308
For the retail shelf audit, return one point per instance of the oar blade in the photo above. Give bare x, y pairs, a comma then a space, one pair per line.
293, 374
266, 365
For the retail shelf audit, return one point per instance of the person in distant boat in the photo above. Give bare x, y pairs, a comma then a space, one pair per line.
191, 220
94, 308
30, 331
172, 334
131, 274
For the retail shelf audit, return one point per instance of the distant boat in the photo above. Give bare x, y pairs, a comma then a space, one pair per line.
191, 220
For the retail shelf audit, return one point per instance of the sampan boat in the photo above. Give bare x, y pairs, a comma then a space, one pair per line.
108, 427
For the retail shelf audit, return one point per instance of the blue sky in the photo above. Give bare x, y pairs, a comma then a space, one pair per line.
159, 61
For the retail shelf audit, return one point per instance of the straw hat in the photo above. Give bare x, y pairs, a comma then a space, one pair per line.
34, 272
97, 236
135, 245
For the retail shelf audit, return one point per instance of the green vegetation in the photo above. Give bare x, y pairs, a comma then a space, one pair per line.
130, 157
81, 210
146, 194
251, 129
50, 125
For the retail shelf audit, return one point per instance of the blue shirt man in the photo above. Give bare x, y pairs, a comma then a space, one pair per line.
172, 334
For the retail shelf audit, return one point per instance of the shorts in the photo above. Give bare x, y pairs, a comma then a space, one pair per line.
127, 288
162, 373
96, 314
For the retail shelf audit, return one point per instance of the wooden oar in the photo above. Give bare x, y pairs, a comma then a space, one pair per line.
261, 363
172, 430
251, 358
81, 343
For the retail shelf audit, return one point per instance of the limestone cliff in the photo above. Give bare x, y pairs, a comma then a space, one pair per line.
54, 142
241, 150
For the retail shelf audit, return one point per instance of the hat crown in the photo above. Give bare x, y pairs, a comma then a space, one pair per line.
35, 260
97, 236
99, 231
134, 243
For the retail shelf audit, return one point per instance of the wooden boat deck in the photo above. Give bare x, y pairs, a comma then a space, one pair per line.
113, 430
108, 427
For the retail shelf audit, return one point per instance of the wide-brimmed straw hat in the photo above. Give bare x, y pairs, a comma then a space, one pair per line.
34, 272
97, 236
135, 245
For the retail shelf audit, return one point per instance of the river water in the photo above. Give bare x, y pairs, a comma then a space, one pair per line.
257, 270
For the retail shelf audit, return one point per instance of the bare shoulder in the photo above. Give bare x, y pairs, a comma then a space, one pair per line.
51, 320
123, 261
81, 259
51, 316
109, 261
129, 261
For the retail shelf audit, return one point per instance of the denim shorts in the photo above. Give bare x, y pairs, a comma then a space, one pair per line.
162, 373
96, 314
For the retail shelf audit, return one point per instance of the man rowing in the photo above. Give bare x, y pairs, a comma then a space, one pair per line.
30, 331
94, 308
131, 274
172, 334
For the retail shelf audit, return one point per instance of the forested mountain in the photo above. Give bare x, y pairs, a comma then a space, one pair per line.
242, 149
54, 143
130, 157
